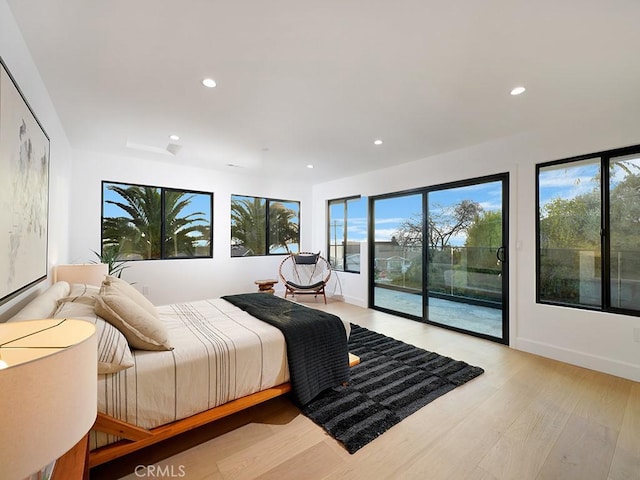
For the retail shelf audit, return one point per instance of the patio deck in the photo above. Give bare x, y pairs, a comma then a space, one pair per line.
475, 318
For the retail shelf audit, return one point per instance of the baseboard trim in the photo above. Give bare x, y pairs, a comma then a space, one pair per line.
581, 359
352, 300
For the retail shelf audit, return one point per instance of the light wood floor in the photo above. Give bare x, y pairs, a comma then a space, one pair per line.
526, 417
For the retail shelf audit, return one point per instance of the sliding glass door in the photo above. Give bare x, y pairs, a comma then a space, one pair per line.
397, 259
439, 255
467, 257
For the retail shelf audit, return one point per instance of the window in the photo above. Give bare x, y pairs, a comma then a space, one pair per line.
263, 226
140, 222
624, 232
569, 232
589, 231
347, 229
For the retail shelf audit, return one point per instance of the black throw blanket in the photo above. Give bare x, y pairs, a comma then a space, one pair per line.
316, 342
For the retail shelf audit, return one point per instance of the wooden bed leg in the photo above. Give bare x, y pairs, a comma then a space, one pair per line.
73, 465
113, 426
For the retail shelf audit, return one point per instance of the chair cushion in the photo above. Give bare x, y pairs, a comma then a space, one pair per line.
314, 286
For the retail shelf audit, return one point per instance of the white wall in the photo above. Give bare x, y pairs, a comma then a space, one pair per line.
594, 340
16, 56
168, 281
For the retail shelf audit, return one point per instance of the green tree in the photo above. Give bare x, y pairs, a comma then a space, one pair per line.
625, 213
183, 232
485, 231
283, 230
567, 227
248, 224
484, 238
571, 223
139, 234
249, 230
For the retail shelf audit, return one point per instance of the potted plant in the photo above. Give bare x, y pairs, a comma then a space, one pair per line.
110, 256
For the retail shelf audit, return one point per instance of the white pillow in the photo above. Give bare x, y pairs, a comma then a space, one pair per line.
44, 305
141, 329
113, 350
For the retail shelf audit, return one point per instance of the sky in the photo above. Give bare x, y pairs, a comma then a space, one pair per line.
201, 202
391, 212
569, 180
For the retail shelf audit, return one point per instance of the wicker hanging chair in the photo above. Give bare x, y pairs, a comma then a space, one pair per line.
305, 273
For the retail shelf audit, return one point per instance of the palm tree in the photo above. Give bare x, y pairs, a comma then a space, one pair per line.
248, 224
283, 231
182, 233
249, 229
139, 234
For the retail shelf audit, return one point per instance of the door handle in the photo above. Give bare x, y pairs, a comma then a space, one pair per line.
501, 254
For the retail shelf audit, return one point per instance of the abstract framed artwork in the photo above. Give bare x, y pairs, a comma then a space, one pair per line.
24, 191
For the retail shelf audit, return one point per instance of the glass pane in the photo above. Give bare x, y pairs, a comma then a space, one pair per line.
569, 227
248, 226
187, 224
398, 254
337, 233
624, 227
131, 221
284, 226
465, 274
356, 232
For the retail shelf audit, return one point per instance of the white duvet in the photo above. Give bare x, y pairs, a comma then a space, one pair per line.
220, 353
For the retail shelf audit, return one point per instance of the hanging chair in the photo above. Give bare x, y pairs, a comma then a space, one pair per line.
305, 273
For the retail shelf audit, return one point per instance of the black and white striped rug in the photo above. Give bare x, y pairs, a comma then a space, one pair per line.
392, 381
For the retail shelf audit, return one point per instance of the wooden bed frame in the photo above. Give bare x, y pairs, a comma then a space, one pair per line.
136, 438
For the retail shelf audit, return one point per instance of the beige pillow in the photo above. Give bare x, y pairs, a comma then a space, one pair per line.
141, 329
115, 285
114, 353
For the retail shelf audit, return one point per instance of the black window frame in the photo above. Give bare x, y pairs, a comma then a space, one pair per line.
163, 235
605, 157
345, 201
267, 205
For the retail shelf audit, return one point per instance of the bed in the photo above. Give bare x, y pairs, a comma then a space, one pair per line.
199, 362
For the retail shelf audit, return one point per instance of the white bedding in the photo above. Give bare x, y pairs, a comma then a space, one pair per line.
220, 353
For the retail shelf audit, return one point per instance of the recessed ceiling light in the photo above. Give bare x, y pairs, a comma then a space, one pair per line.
309, 166
174, 137
377, 142
209, 82
518, 90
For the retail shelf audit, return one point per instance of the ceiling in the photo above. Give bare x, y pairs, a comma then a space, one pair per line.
303, 82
